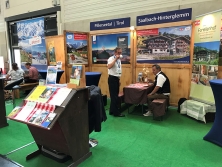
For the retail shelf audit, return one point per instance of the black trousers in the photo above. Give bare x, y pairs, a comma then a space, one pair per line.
114, 91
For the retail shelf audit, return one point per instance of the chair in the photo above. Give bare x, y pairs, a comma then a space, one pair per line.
13, 86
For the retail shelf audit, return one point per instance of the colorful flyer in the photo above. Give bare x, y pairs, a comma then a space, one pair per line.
36, 93
51, 75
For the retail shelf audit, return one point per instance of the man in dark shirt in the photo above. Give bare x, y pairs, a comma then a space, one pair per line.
161, 87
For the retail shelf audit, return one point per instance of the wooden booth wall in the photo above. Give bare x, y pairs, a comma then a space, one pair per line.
59, 52
178, 74
126, 77
69, 66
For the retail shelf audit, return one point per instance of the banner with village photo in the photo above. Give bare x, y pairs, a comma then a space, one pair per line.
164, 45
31, 41
77, 48
103, 47
206, 56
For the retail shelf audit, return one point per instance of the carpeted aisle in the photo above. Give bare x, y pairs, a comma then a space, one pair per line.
129, 142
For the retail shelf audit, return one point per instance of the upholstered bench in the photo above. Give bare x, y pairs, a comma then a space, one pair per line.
158, 107
26, 86
120, 99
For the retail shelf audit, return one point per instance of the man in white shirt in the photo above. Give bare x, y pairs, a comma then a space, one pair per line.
161, 87
114, 71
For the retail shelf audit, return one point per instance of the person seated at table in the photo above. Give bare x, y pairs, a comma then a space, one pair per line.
161, 87
14, 74
33, 75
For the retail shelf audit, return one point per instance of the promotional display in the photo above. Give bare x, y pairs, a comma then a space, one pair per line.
103, 47
206, 55
77, 48
51, 53
51, 75
164, 45
31, 40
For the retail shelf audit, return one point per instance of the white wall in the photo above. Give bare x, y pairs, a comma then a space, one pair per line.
77, 15
2, 22
18, 7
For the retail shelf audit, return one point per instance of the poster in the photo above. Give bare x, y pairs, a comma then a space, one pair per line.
77, 48
31, 40
51, 53
51, 75
103, 47
206, 56
164, 45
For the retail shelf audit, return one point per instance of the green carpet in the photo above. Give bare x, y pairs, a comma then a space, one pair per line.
129, 142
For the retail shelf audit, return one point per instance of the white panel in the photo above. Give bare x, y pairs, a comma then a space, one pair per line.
24, 6
75, 10
2, 22
81, 10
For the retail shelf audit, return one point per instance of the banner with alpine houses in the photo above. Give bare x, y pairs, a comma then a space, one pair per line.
206, 55
164, 45
31, 40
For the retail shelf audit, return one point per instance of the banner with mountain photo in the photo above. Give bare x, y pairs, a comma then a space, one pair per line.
77, 48
103, 47
31, 40
164, 45
206, 55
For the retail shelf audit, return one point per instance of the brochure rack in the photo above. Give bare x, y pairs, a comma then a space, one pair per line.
68, 133
3, 120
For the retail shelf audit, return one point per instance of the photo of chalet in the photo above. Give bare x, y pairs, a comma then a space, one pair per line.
171, 43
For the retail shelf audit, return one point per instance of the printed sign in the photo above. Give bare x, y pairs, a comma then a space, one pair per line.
165, 17
35, 41
110, 24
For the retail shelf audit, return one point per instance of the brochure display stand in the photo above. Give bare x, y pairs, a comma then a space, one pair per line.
3, 121
68, 132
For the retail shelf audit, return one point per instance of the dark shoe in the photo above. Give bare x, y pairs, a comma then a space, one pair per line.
120, 115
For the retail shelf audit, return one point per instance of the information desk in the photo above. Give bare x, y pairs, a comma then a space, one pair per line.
137, 93
3, 120
92, 78
43, 74
215, 134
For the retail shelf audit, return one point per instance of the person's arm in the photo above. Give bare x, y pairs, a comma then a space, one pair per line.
31, 74
111, 64
8, 75
160, 81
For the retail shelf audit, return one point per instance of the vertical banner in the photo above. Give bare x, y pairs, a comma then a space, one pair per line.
77, 48
164, 45
51, 52
31, 40
206, 55
103, 47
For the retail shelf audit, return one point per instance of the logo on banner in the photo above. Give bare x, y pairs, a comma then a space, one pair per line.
154, 31
197, 23
69, 36
35, 40
80, 36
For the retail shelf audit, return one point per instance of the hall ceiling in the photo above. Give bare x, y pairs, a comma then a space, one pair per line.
75, 10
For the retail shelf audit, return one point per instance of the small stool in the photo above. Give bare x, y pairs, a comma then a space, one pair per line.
16, 87
120, 99
158, 107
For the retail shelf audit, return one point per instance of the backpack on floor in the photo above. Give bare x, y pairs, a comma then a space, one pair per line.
180, 102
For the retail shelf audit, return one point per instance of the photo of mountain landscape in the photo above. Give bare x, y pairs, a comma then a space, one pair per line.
103, 47
77, 49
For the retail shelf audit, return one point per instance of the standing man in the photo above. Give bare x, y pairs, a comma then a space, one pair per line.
114, 71
33, 75
161, 87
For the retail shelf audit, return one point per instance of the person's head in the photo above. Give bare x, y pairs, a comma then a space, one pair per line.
27, 65
14, 66
118, 51
156, 68
72, 57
